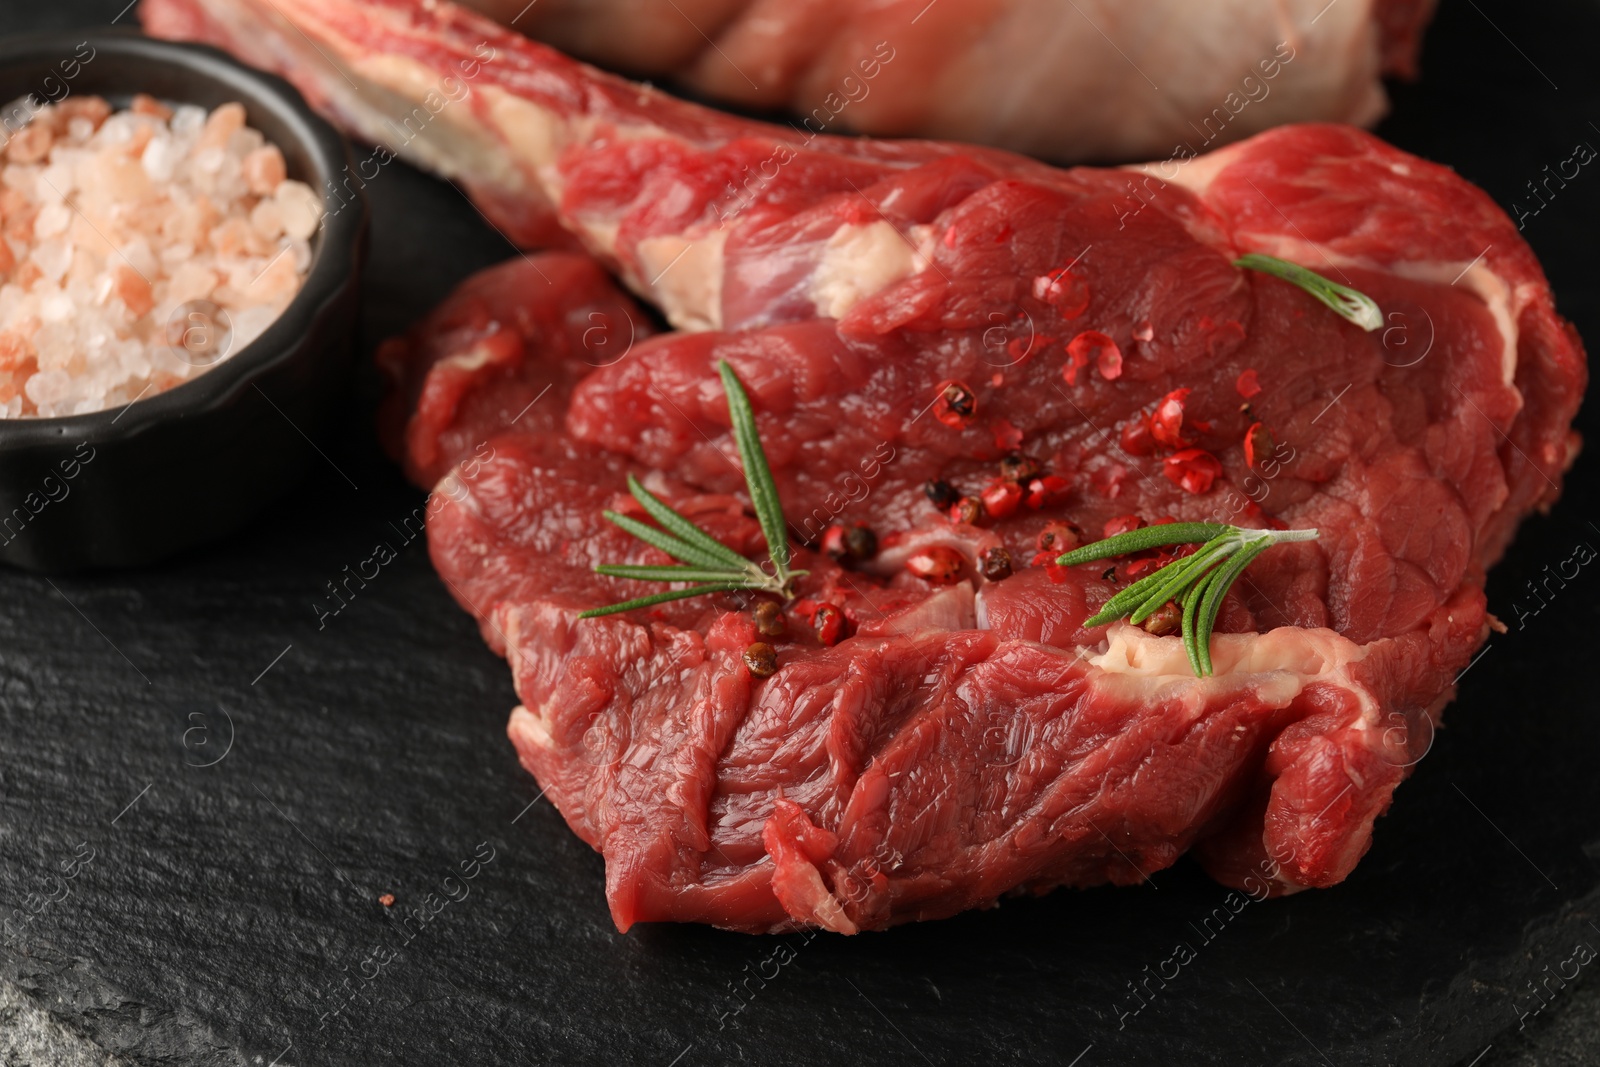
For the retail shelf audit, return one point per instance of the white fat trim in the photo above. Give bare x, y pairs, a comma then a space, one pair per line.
1278, 665
1194, 173
451, 141
513, 144
862, 259
683, 277
1504, 304
470, 360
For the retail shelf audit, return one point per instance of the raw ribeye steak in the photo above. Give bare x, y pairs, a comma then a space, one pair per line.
1058, 347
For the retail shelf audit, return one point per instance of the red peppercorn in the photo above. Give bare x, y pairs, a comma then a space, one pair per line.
994, 563
1258, 444
1001, 499
955, 405
1047, 491
1063, 290
1136, 438
829, 624
1059, 537
1121, 524
1047, 560
1166, 423
1092, 346
1132, 570
939, 564
762, 659
1076, 361
968, 510
833, 542
1193, 469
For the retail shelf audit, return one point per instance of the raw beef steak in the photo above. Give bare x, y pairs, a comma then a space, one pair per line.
1065, 346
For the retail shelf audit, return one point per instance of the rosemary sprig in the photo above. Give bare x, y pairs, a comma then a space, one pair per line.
708, 564
1354, 305
1198, 582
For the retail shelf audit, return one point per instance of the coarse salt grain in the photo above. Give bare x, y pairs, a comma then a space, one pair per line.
113, 223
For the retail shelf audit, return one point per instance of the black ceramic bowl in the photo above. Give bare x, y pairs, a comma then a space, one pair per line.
134, 484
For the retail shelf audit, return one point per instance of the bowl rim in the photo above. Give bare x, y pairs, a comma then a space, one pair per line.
334, 257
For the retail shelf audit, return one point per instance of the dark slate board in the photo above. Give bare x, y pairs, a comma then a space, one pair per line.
229, 912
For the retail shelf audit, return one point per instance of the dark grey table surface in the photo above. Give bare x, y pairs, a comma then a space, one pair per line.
233, 787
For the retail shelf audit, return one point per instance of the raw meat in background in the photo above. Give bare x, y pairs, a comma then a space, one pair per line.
1062, 80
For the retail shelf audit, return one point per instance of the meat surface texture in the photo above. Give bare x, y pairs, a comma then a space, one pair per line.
1011, 73
953, 743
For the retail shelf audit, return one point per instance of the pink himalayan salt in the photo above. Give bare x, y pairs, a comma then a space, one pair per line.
166, 207
31, 144
221, 124
264, 170
145, 104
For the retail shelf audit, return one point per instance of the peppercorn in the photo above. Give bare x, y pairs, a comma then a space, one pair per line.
769, 619
1059, 537
1136, 438
994, 563
941, 493
833, 542
969, 510
1017, 467
1258, 445
762, 659
861, 542
854, 543
1164, 620
1131, 570
1193, 469
1046, 491
938, 564
830, 625
1121, 524
1001, 498
956, 404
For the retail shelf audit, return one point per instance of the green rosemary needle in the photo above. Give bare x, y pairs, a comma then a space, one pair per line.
1198, 581
1354, 305
706, 563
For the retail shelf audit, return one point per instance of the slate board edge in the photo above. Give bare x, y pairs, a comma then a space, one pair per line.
112, 1025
